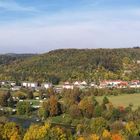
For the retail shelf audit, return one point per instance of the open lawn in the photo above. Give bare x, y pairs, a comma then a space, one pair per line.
34, 102
123, 100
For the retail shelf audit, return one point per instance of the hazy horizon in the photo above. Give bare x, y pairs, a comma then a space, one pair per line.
41, 26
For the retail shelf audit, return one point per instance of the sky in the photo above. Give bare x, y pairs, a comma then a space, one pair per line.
38, 26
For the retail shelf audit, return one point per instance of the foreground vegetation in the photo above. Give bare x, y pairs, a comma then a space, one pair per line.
70, 115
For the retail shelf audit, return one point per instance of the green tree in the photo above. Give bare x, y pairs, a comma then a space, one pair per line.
98, 125
44, 111
3, 100
23, 108
30, 95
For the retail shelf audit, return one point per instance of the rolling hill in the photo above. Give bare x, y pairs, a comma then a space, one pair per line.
74, 64
10, 57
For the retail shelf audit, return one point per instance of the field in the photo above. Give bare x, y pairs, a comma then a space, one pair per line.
123, 100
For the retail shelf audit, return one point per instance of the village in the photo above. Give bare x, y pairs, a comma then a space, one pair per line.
13, 86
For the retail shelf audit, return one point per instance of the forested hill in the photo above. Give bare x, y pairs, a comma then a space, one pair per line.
75, 64
10, 57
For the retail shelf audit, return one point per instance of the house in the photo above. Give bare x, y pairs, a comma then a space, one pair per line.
3, 83
58, 89
138, 61
110, 83
93, 84
77, 83
123, 84
103, 84
13, 84
30, 84
24, 84
16, 88
84, 83
134, 84
46, 85
67, 85
37, 88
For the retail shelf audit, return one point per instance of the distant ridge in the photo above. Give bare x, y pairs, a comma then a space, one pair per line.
73, 64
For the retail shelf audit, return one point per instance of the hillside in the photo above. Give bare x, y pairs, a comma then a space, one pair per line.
75, 64
10, 57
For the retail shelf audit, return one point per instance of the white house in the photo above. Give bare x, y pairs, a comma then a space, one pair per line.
32, 85
138, 61
134, 84
13, 84
24, 84
77, 83
29, 84
93, 84
3, 82
16, 88
84, 83
46, 85
67, 85
113, 83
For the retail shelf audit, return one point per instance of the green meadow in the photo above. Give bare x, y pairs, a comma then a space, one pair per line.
123, 100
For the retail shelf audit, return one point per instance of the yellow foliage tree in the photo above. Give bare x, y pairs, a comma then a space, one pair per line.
57, 133
11, 131
37, 132
131, 128
94, 137
15, 136
106, 135
81, 138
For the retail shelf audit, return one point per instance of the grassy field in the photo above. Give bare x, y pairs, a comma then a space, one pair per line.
123, 100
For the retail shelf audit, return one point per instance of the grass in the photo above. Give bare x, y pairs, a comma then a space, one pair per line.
62, 119
34, 102
123, 100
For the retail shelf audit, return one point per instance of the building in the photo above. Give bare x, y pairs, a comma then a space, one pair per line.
30, 84
67, 85
46, 85
134, 84
16, 88
13, 84
110, 83
84, 83
77, 83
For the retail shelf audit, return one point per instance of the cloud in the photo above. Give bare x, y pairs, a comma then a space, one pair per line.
11, 5
82, 35
107, 28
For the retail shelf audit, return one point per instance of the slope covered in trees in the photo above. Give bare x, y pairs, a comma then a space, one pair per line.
75, 64
8, 58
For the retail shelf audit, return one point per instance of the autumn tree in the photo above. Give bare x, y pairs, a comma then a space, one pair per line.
74, 111
98, 125
54, 106
11, 131
37, 132
56, 133
86, 107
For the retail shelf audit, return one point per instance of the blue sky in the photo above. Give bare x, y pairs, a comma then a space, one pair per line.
41, 25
